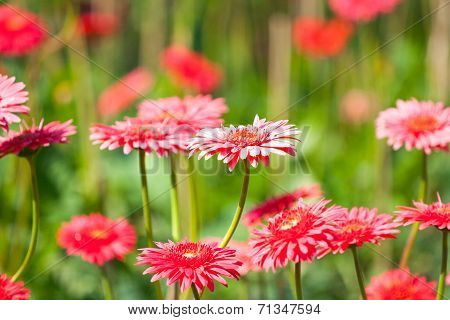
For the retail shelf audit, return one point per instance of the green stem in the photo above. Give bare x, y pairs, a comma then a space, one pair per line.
106, 284
442, 276
35, 219
176, 228
359, 273
147, 215
240, 207
298, 280
193, 202
195, 292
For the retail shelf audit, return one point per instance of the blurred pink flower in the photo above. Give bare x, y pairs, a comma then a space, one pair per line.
358, 106
10, 290
362, 10
12, 97
97, 24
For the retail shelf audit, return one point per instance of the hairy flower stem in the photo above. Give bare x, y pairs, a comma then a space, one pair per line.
147, 215
298, 280
359, 273
239, 209
195, 292
423, 191
193, 210
106, 284
175, 214
442, 276
35, 219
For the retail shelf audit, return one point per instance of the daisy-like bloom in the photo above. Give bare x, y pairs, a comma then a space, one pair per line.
97, 24
320, 38
358, 226
20, 31
422, 125
12, 97
197, 112
96, 238
399, 284
190, 263
362, 10
28, 140
134, 133
121, 94
252, 143
10, 290
190, 69
436, 214
279, 203
294, 235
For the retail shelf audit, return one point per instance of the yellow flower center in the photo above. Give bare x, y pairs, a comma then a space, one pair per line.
245, 137
15, 23
190, 254
352, 227
99, 234
289, 223
422, 123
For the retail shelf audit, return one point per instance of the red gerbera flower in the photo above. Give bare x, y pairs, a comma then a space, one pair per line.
96, 238
277, 204
400, 284
190, 263
97, 24
191, 69
10, 290
121, 94
12, 97
133, 133
28, 140
253, 143
294, 235
321, 38
422, 125
20, 31
436, 214
358, 226
362, 10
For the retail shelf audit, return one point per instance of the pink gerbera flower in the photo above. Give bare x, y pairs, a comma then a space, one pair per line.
10, 290
96, 238
279, 203
20, 31
190, 263
97, 24
197, 112
294, 235
362, 10
400, 284
358, 226
121, 94
28, 140
436, 214
12, 97
252, 143
422, 125
191, 69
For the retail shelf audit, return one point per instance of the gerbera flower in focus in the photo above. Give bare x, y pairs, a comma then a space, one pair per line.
96, 238
294, 235
197, 112
358, 226
12, 97
362, 10
122, 93
190, 69
190, 263
436, 214
422, 125
28, 140
20, 31
134, 133
97, 24
10, 290
321, 38
252, 143
279, 203
400, 284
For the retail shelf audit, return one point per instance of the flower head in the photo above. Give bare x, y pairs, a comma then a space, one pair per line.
422, 125
28, 140
279, 203
400, 284
436, 214
321, 38
12, 97
97, 24
96, 238
362, 10
190, 263
358, 226
134, 133
294, 235
20, 31
190, 69
252, 143
10, 290
358, 106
